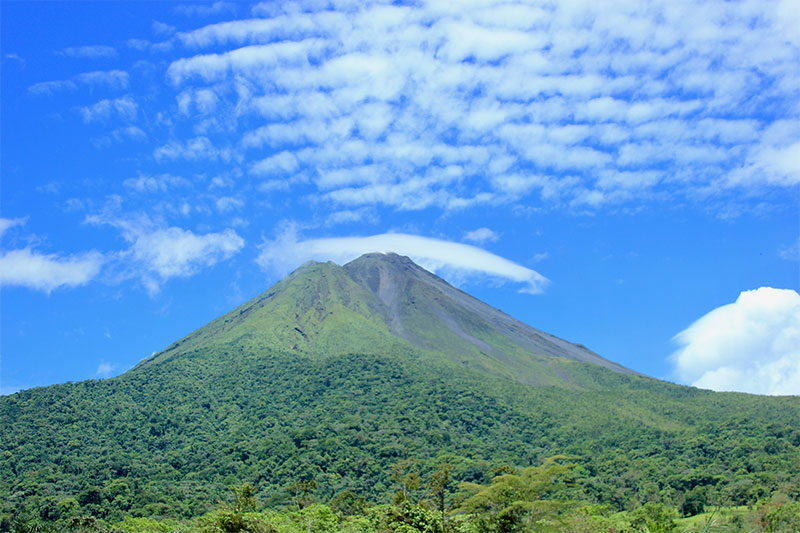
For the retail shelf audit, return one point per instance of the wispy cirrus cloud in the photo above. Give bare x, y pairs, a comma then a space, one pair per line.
124, 108
48, 88
157, 252
113, 79
89, 52
110, 79
8, 223
155, 184
452, 259
176, 252
199, 147
205, 10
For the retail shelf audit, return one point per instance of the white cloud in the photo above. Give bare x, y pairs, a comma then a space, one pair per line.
154, 184
171, 252
114, 79
481, 235
226, 204
138, 44
162, 28
47, 272
15, 57
566, 90
105, 369
433, 254
199, 147
50, 87
119, 135
751, 345
789, 253
281, 163
249, 59
158, 253
125, 108
774, 165
205, 10
347, 216
89, 52
129, 132
8, 223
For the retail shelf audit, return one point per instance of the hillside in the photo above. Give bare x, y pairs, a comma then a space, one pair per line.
339, 374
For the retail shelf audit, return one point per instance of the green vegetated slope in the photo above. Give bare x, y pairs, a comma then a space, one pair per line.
316, 311
314, 381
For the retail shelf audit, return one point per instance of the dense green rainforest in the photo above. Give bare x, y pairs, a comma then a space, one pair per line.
169, 441
375, 397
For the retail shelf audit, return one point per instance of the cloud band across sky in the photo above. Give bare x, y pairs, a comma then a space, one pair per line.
433, 254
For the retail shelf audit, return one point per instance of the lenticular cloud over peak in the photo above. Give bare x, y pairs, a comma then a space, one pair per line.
751, 345
450, 259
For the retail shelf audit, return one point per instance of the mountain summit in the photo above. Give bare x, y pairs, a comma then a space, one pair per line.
432, 314
385, 303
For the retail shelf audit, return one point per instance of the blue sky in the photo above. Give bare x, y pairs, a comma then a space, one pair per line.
624, 176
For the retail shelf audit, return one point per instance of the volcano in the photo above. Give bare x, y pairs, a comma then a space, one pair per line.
385, 303
338, 374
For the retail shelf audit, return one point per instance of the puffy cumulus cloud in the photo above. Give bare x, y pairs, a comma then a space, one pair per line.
47, 272
450, 106
751, 345
451, 259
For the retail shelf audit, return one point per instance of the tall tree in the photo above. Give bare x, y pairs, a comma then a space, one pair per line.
511, 501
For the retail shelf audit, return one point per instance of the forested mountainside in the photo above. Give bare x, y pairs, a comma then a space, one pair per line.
314, 392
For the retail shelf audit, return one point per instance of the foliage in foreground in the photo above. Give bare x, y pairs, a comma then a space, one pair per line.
513, 502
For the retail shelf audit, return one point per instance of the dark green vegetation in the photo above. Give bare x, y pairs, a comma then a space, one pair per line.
344, 387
